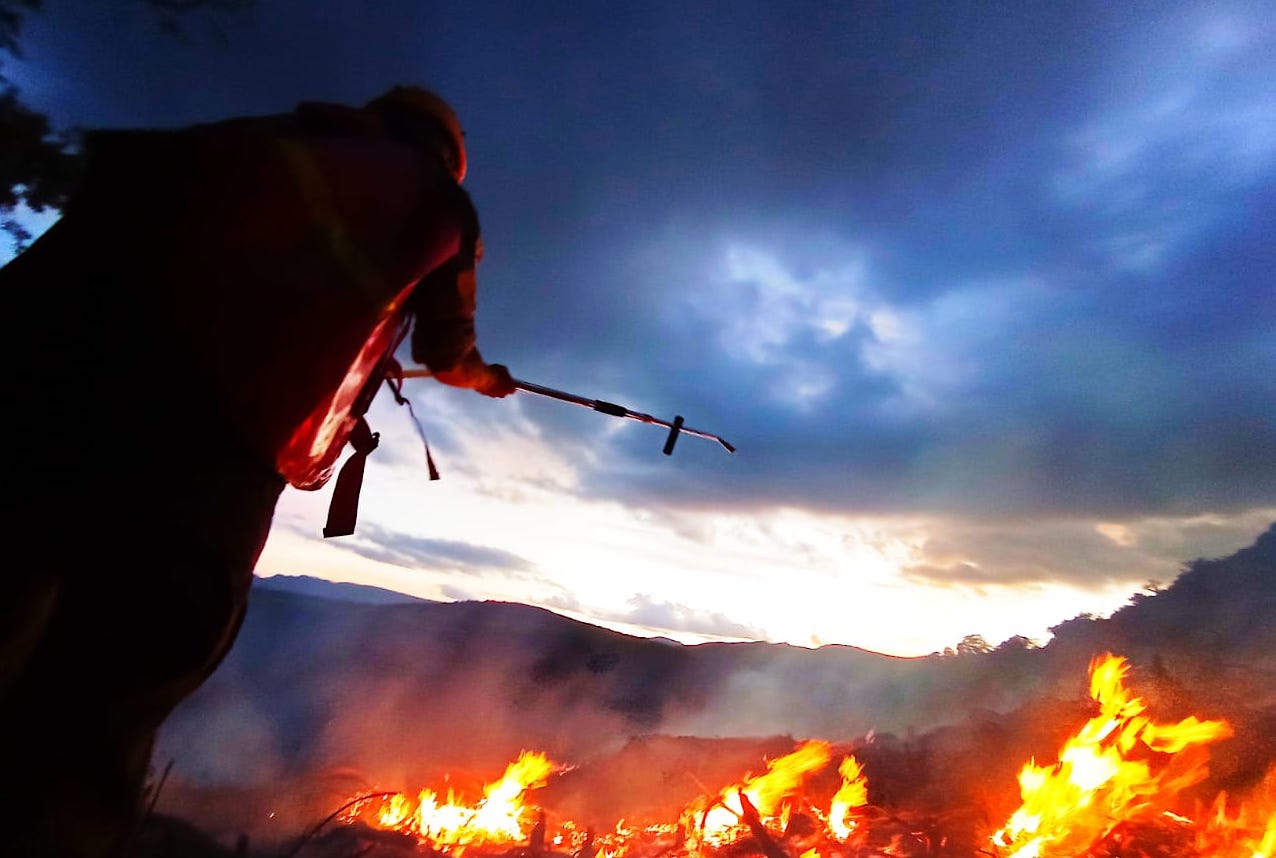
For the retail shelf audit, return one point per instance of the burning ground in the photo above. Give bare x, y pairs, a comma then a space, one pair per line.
640, 743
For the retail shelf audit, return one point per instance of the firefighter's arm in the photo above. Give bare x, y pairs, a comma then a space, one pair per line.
489, 379
443, 336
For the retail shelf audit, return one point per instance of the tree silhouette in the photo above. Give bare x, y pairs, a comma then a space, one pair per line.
973, 645
40, 165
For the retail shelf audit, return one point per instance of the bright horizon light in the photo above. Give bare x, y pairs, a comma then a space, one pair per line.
781, 575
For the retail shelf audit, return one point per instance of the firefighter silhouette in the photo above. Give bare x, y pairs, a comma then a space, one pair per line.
203, 326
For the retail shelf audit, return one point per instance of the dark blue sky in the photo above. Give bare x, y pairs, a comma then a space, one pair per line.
1004, 269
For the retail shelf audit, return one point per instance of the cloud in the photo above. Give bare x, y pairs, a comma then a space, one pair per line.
1012, 264
457, 594
562, 601
760, 308
1158, 168
1073, 324
646, 610
414, 552
1084, 554
1028, 392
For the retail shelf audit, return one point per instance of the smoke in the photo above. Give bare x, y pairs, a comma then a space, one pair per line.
233, 742
467, 724
397, 697
321, 700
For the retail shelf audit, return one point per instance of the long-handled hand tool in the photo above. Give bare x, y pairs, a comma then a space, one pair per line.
675, 428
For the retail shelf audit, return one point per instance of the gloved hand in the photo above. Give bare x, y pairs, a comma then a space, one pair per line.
497, 381
474, 373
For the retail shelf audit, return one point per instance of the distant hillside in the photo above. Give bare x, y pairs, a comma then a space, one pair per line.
314, 683
304, 585
1225, 605
403, 690
1214, 626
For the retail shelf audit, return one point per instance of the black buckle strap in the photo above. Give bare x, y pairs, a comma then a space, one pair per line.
343, 509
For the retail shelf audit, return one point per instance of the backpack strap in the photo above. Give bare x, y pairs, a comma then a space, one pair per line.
343, 509
344, 506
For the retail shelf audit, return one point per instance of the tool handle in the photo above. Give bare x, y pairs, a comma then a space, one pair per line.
611, 409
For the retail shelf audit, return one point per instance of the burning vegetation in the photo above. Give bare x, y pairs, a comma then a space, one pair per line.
1123, 784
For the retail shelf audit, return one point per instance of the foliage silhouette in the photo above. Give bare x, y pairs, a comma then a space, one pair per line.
40, 165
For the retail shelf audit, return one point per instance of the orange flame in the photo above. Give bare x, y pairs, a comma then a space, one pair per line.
498, 818
852, 794
716, 822
1241, 833
1116, 785
1100, 780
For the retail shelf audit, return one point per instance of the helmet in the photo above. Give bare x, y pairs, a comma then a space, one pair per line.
417, 102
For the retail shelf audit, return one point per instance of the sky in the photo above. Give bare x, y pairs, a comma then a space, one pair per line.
981, 292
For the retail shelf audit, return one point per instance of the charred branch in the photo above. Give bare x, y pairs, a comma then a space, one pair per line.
536, 843
309, 835
751, 818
